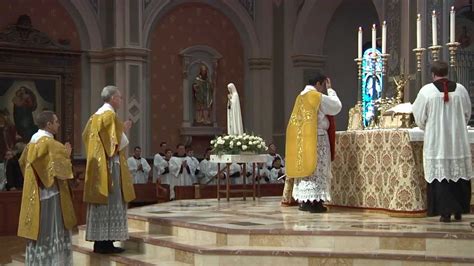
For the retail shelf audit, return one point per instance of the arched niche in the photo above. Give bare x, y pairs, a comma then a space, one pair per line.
192, 59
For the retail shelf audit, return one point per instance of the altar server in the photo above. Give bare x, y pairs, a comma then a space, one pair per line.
139, 167
442, 109
182, 167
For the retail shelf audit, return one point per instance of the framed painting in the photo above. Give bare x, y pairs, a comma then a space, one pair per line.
22, 98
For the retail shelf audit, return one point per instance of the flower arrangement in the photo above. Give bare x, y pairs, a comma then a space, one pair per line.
231, 144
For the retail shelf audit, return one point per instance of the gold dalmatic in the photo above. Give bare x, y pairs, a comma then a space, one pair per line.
102, 137
42, 163
302, 136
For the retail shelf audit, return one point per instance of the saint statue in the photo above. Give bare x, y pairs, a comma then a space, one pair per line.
203, 97
234, 116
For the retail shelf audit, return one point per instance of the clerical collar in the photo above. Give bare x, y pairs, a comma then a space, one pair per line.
104, 108
39, 134
45, 133
139, 158
307, 89
179, 156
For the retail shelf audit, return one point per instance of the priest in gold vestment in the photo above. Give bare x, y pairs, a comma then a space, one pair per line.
308, 149
47, 213
108, 183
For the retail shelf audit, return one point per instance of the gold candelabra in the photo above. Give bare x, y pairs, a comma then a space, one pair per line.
435, 51
359, 79
419, 53
453, 47
355, 113
384, 63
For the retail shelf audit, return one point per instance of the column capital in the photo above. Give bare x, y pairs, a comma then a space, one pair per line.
260, 63
309, 60
109, 55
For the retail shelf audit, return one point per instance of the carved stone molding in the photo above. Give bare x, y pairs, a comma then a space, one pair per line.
119, 54
22, 34
26, 51
260, 63
249, 6
309, 61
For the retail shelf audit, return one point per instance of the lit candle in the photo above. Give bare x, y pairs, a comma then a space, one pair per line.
374, 37
434, 28
452, 25
418, 31
359, 43
384, 37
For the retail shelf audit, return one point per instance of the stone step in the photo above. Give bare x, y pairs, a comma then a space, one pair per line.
86, 256
433, 243
192, 251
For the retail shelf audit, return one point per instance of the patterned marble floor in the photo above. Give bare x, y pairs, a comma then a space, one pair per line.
266, 216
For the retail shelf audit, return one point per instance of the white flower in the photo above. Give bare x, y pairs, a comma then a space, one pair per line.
220, 141
239, 143
244, 147
212, 142
246, 137
259, 146
231, 143
226, 137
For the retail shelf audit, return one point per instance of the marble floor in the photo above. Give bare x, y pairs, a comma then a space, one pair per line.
210, 232
265, 215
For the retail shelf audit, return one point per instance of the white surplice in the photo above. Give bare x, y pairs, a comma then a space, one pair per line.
446, 149
183, 176
139, 177
275, 174
159, 166
271, 158
209, 170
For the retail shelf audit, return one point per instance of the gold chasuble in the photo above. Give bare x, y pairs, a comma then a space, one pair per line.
43, 164
302, 136
102, 137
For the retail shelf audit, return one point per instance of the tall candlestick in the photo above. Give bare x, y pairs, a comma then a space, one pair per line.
434, 28
384, 37
374, 36
418, 31
452, 23
359, 43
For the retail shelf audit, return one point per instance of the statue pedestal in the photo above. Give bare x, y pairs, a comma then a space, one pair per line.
188, 132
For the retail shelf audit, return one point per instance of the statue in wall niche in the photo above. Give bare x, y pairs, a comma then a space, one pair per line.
203, 92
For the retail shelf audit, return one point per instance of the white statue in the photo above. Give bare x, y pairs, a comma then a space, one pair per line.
234, 116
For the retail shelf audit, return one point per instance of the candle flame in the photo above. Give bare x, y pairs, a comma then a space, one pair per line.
360, 28
452, 8
373, 26
434, 12
384, 22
